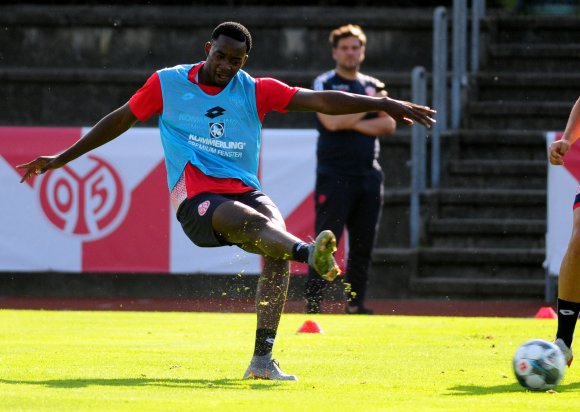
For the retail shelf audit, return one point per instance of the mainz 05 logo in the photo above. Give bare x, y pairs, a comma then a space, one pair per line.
217, 130
87, 202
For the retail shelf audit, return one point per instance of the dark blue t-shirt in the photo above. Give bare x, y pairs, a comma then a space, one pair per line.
347, 152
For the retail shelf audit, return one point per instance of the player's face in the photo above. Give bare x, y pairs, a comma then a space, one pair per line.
225, 57
348, 53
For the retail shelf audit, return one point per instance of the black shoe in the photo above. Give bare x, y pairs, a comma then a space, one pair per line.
312, 306
357, 310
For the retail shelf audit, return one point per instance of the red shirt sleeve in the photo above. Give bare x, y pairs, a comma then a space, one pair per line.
272, 95
148, 100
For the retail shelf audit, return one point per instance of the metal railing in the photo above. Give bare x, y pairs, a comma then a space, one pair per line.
439, 96
418, 156
440, 27
477, 12
459, 60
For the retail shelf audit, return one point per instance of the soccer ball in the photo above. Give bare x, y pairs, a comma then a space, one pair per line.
539, 365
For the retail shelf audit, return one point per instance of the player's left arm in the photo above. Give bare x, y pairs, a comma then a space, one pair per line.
572, 132
335, 102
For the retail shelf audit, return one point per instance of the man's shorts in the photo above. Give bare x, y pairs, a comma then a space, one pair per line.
195, 214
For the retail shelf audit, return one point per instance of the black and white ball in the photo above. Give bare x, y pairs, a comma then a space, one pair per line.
539, 365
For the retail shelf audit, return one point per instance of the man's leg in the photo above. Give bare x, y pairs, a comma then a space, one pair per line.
253, 230
255, 224
270, 297
569, 290
362, 227
331, 208
260, 228
265, 234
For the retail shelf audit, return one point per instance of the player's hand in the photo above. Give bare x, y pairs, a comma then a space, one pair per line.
38, 166
409, 113
557, 151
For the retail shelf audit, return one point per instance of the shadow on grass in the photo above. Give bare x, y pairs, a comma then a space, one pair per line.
512, 387
162, 382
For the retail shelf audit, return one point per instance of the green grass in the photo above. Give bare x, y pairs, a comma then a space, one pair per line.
149, 361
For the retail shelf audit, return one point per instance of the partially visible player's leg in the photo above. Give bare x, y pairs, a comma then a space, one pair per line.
569, 289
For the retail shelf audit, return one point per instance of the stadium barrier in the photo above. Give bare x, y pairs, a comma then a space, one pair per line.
109, 212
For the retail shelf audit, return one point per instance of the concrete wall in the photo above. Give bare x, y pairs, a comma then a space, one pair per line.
69, 65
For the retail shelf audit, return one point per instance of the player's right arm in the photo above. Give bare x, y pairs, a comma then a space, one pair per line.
146, 102
107, 129
572, 132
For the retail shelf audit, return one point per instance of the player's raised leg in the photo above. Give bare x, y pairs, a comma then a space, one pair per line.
569, 291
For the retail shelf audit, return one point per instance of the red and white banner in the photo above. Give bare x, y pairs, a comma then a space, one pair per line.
108, 211
563, 182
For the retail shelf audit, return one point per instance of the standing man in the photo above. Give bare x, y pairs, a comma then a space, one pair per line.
210, 119
569, 278
349, 179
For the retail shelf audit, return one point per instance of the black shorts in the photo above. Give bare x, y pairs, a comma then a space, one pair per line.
195, 214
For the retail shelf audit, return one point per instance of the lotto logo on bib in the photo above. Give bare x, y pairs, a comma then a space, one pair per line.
85, 199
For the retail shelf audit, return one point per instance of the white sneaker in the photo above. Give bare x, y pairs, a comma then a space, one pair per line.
565, 350
269, 370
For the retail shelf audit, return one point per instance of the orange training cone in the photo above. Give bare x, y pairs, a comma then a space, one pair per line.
310, 326
546, 312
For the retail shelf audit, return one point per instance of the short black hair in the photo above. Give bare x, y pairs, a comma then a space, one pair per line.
234, 30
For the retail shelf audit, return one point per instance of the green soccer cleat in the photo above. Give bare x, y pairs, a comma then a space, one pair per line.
321, 256
566, 351
267, 369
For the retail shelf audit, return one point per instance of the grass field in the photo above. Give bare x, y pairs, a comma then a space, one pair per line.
149, 361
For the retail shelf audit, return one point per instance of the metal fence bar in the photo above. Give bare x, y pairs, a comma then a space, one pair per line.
477, 12
440, 28
459, 59
418, 156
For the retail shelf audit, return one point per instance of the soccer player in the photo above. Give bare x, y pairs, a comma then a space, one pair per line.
569, 277
349, 178
210, 119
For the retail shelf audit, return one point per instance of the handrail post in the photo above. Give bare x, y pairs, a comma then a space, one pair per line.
418, 156
477, 12
459, 59
440, 28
